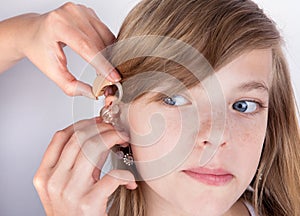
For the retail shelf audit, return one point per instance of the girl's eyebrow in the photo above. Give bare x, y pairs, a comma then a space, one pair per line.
253, 85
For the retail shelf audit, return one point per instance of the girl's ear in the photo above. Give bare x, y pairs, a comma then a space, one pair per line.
109, 93
109, 100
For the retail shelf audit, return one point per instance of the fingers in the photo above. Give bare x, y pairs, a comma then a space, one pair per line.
68, 175
65, 80
70, 85
103, 31
77, 141
81, 199
104, 188
59, 73
112, 180
77, 27
87, 37
59, 141
94, 155
82, 150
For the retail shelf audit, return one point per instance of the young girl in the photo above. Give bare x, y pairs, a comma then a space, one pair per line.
252, 129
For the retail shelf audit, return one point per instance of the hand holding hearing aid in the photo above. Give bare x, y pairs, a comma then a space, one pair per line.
68, 181
68, 178
41, 39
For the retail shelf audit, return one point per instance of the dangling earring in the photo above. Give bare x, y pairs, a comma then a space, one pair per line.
126, 157
260, 175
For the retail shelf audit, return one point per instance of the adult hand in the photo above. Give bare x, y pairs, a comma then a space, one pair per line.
41, 38
67, 182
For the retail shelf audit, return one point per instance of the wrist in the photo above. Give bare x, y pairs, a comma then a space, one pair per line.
16, 34
23, 39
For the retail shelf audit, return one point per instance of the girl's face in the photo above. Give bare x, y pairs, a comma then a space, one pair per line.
213, 188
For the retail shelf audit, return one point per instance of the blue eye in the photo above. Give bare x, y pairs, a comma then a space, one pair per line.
245, 106
175, 100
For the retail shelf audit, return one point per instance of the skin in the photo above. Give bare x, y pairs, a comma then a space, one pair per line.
74, 158
41, 38
239, 148
65, 166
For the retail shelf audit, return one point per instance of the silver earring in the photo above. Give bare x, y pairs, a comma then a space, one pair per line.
260, 175
126, 157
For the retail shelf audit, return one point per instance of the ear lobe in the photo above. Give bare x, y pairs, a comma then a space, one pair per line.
109, 100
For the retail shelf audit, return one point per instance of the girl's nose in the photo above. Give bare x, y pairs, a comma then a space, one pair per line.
213, 133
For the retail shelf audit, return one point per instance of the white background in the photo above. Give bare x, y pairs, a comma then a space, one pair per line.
32, 108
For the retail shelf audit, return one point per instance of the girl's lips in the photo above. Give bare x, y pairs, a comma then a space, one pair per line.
214, 177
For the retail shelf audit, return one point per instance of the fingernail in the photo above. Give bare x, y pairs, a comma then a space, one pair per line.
114, 75
124, 145
136, 186
132, 187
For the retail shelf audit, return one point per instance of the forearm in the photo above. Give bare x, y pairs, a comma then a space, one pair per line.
13, 33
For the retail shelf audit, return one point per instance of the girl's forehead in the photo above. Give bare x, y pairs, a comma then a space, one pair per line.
256, 65
249, 72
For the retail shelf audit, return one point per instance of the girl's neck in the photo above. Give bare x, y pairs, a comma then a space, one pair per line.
238, 208
156, 205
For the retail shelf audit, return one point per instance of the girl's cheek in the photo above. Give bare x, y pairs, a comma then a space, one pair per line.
246, 134
157, 157
246, 140
154, 135
249, 129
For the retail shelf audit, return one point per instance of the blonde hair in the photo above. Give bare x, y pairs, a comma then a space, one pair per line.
222, 30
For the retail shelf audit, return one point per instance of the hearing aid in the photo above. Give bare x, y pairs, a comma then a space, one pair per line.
111, 113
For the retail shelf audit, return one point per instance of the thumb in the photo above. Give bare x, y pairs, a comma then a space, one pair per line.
105, 187
77, 88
